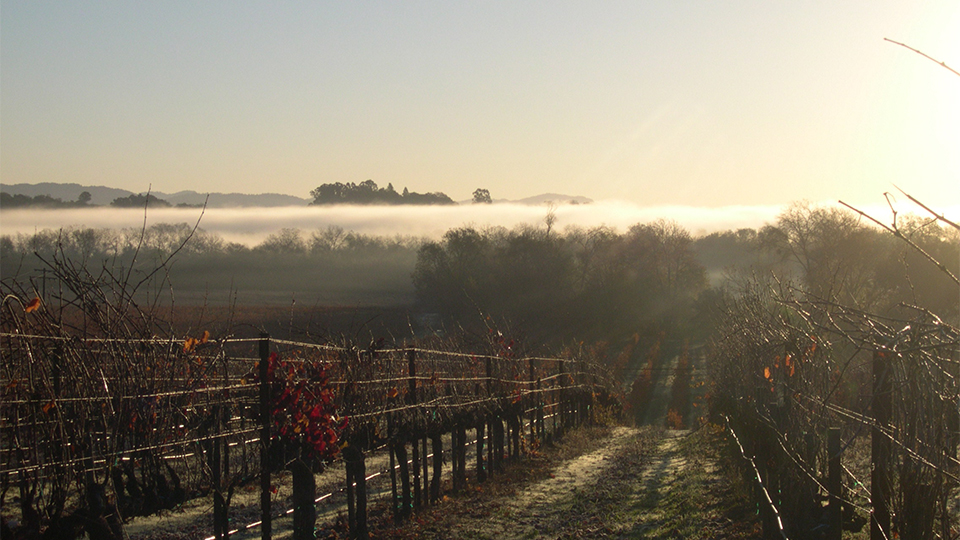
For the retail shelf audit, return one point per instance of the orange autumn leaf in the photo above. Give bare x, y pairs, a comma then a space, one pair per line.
33, 305
793, 368
49, 406
392, 393
206, 336
189, 344
766, 373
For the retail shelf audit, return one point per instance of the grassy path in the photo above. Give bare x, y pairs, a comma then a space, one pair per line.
618, 483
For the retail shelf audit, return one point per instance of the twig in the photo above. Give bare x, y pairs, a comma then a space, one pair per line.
925, 55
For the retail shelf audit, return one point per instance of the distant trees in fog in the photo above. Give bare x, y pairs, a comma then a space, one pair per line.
482, 196
43, 201
139, 200
335, 264
583, 281
600, 284
367, 192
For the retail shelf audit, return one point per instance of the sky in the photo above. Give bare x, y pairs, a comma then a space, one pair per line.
656, 103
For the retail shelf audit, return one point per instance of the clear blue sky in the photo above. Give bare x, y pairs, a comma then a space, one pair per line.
702, 103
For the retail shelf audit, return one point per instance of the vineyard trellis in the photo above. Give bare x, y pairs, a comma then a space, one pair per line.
831, 401
98, 430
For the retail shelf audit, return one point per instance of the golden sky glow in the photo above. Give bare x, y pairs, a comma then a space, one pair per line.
697, 103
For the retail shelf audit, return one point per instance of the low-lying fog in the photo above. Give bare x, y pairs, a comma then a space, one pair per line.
250, 226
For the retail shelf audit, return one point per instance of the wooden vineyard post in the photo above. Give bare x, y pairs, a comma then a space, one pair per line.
304, 507
880, 448
60, 490
351, 491
481, 433
436, 439
533, 400
400, 448
392, 448
356, 491
562, 401
462, 454
491, 445
412, 400
415, 463
834, 485
360, 473
426, 473
455, 460
264, 372
516, 427
458, 436
480, 424
220, 524
225, 453
541, 430
585, 399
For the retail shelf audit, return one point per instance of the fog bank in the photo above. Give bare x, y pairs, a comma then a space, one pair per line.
250, 226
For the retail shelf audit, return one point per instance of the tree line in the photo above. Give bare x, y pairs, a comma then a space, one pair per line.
367, 192
135, 200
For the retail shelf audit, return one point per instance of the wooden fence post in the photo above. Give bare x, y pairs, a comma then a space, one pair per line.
516, 426
562, 400
426, 473
834, 485
491, 445
481, 433
361, 476
459, 451
415, 464
356, 490
462, 455
59, 488
351, 490
455, 459
225, 452
541, 429
436, 440
220, 525
304, 507
265, 517
532, 401
880, 448
400, 447
392, 449
412, 400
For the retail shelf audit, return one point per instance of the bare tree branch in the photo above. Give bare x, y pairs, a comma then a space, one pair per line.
896, 232
925, 55
925, 207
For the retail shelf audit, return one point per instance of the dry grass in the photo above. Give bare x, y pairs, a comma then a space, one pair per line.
651, 484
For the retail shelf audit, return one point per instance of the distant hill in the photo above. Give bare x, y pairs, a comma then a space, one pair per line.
232, 200
555, 198
102, 195
542, 199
